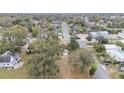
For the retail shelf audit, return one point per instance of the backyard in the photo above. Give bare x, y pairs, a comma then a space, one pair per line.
68, 71
20, 73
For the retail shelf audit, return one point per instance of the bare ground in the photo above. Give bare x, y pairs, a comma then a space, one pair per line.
67, 71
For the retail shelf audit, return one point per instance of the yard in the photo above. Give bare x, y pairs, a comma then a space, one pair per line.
20, 73
113, 71
67, 71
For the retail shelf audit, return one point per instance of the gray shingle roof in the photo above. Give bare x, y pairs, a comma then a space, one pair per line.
5, 58
8, 53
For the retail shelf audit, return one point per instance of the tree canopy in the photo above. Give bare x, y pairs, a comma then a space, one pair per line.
73, 45
14, 38
99, 48
42, 62
81, 58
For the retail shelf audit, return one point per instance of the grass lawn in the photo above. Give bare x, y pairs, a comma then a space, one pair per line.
15, 74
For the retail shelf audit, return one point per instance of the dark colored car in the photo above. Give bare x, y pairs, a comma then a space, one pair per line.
76, 37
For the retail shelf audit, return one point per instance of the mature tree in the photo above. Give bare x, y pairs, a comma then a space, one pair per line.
120, 44
98, 28
45, 52
5, 21
15, 36
109, 25
73, 45
104, 41
35, 31
99, 48
95, 18
81, 58
3, 45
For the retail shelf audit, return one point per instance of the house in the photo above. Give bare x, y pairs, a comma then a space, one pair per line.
95, 35
9, 60
111, 47
115, 52
121, 35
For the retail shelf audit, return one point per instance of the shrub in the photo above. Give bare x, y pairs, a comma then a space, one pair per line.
121, 76
104, 41
93, 69
99, 48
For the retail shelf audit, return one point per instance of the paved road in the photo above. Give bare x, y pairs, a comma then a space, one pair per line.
101, 71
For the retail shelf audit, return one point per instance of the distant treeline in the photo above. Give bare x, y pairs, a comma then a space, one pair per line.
59, 14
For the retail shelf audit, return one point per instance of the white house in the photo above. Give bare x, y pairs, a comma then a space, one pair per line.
121, 35
98, 34
8, 59
115, 52
111, 47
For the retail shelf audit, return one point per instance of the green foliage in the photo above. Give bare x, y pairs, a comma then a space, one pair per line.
104, 41
114, 24
120, 44
98, 28
109, 25
93, 69
3, 46
13, 38
81, 58
35, 31
99, 48
73, 45
42, 63
121, 76
95, 18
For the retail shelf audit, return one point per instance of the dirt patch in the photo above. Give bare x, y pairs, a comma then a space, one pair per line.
113, 72
68, 71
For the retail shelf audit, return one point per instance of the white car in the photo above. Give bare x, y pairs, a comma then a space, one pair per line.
65, 52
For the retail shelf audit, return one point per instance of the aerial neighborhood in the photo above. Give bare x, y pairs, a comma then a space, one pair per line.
62, 46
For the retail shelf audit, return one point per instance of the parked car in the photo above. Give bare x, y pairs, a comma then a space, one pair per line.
65, 52
76, 37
